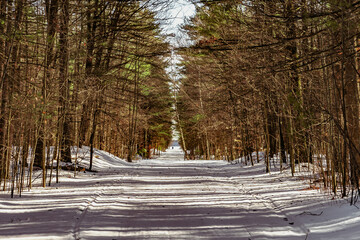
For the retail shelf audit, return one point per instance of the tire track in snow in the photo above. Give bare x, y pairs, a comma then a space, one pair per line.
89, 203
270, 205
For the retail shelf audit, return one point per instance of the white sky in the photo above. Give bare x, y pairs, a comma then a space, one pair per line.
180, 10
176, 14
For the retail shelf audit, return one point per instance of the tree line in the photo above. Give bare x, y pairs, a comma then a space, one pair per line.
279, 76
77, 73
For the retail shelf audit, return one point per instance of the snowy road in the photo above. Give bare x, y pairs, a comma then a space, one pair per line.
172, 199
166, 198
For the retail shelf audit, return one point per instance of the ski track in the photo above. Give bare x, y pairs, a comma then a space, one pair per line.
86, 206
91, 203
271, 206
164, 198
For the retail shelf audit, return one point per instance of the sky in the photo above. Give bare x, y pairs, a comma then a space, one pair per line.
180, 11
171, 18
176, 16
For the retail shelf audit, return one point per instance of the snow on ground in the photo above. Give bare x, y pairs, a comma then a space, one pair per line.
169, 198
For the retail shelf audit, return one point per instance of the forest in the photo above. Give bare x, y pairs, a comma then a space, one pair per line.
80, 73
277, 76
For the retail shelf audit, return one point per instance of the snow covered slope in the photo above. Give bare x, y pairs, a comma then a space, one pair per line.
169, 198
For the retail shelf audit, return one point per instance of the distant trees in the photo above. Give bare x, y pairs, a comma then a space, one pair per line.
77, 73
281, 76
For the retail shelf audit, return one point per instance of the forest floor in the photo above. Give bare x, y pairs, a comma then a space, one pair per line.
169, 198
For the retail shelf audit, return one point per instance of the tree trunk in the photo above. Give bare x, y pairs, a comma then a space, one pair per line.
5, 49
51, 16
92, 24
64, 83
351, 94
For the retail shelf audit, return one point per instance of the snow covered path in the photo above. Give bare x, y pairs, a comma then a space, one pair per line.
182, 200
169, 198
